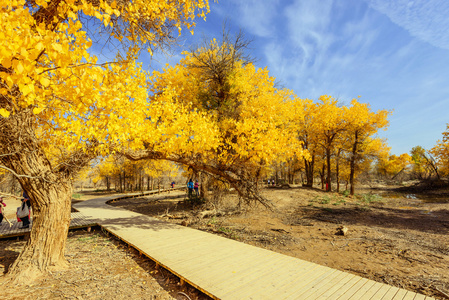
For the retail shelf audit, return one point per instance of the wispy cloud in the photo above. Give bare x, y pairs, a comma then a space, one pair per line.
391, 52
425, 19
257, 18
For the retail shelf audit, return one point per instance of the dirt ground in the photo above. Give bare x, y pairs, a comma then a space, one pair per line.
392, 236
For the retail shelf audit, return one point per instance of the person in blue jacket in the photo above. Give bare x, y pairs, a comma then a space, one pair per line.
190, 187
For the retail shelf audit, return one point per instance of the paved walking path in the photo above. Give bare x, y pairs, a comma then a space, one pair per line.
227, 269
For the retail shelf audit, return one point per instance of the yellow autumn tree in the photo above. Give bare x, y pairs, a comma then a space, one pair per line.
362, 125
306, 125
249, 112
330, 124
441, 154
338, 138
394, 165
55, 97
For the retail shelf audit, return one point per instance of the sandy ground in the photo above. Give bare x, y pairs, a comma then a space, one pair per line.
395, 239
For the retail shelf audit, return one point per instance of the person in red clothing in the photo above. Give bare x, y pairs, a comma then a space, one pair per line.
195, 187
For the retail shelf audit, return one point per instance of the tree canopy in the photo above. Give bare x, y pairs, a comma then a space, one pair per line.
60, 107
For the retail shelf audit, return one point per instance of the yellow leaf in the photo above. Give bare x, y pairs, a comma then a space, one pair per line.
19, 67
26, 89
37, 110
6, 62
39, 46
57, 47
45, 81
4, 113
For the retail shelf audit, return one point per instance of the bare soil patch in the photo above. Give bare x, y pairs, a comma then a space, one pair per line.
395, 239
101, 267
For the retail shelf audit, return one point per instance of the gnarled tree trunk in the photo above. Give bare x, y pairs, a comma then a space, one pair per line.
50, 196
49, 189
45, 248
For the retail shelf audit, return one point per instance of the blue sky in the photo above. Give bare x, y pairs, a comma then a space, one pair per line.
392, 53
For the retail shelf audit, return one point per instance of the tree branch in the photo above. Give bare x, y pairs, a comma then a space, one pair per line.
25, 176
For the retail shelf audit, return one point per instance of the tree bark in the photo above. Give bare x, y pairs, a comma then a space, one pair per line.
308, 166
50, 196
337, 174
322, 175
328, 163
44, 250
352, 163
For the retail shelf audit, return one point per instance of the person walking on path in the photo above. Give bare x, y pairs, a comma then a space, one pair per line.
195, 187
190, 186
26, 219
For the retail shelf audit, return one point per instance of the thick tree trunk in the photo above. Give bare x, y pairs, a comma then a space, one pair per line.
50, 196
308, 166
49, 189
44, 250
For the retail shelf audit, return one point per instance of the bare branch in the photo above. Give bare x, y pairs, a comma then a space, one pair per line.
25, 176
10, 195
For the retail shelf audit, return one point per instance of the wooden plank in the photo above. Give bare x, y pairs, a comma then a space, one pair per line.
319, 290
230, 266
290, 277
343, 285
385, 288
200, 259
349, 288
409, 295
271, 272
391, 293
400, 294
312, 282
365, 288
368, 293
420, 297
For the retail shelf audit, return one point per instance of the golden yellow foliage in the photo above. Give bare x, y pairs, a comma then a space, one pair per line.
251, 118
47, 69
441, 153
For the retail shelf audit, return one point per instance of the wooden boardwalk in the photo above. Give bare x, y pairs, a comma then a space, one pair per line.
227, 269
6, 231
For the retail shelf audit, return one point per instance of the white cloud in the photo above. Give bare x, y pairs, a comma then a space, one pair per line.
308, 23
425, 19
256, 16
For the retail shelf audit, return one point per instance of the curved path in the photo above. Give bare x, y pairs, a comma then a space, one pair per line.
227, 269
